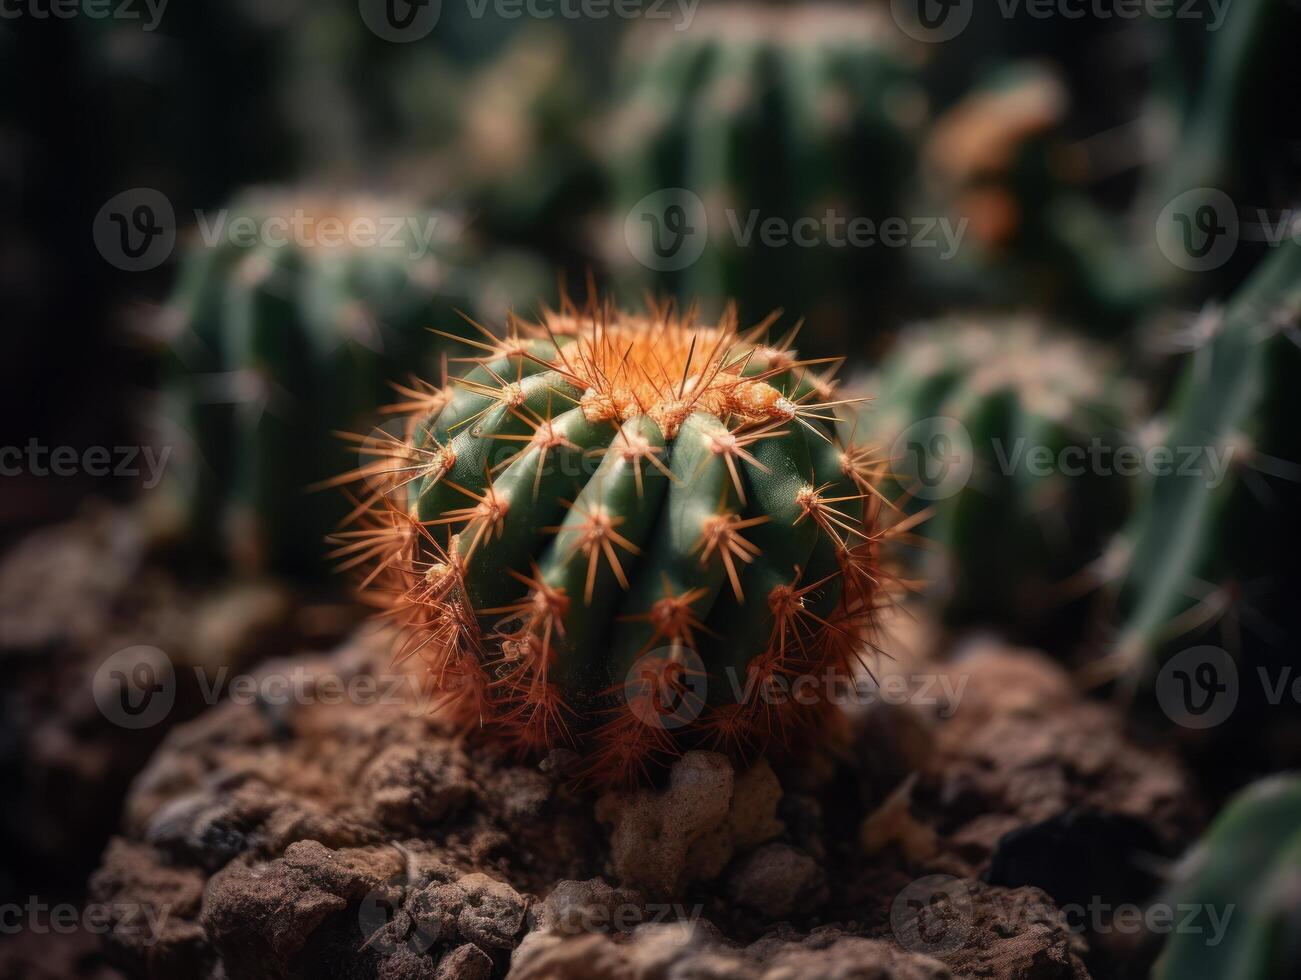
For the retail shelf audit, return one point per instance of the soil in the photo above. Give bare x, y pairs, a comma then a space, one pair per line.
322, 819
367, 840
72, 596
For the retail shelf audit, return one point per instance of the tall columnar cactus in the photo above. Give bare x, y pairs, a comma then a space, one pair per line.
1243, 880
292, 324
626, 534
1006, 436
1205, 559
788, 114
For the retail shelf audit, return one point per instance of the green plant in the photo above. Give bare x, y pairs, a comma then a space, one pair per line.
1005, 436
1003, 158
1205, 553
612, 515
292, 325
788, 114
1245, 873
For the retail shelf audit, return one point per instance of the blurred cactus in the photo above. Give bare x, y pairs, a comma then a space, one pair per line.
284, 335
1243, 881
616, 532
1205, 554
995, 429
1215, 165
769, 113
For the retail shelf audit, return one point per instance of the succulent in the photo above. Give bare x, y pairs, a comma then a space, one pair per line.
1243, 883
621, 533
276, 340
1035, 193
992, 431
762, 113
1204, 555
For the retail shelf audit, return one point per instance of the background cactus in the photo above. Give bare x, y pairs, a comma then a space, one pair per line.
276, 343
612, 515
977, 420
1202, 557
1246, 871
781, 112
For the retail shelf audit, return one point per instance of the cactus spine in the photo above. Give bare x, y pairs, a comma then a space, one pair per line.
1012, 417
611, 512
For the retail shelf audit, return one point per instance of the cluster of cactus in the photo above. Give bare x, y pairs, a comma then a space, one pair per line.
992, 430
1003, 158
765, 113
1242, 880
1203, 556
276, 340
620, 533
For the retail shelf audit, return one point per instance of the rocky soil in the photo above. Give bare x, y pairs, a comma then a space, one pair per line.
344, 831
85, 608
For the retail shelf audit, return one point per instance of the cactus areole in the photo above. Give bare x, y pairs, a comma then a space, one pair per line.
626, 535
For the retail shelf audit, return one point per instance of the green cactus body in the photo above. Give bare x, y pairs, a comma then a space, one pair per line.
766, 114
281, 338
1243, 878
1204, 558
996, 431
649, 514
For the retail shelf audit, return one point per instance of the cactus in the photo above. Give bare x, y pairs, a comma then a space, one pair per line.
1246, 871
612, 515
1036, 212
1003, 407
276, 342
771, 112
1203, 554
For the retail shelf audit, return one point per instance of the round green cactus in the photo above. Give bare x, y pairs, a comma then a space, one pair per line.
790, 114
1006, 437
620, 533
290, 325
